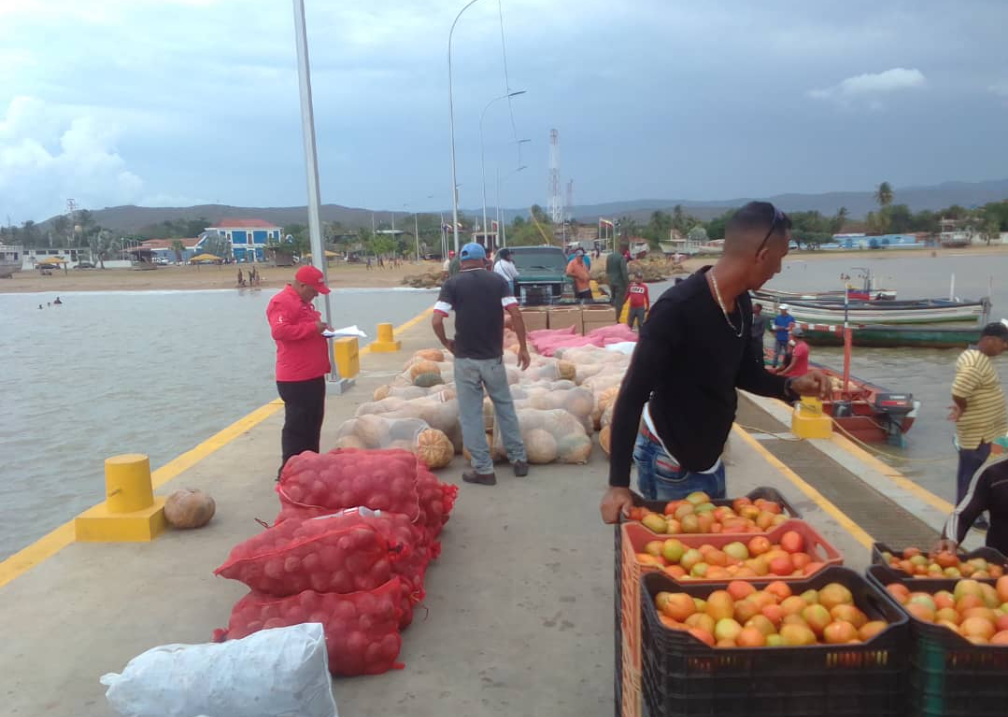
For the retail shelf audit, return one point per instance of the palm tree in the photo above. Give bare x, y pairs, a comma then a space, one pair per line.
884, 194
178, 247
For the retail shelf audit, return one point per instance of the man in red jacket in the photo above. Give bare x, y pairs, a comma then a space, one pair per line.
302, 361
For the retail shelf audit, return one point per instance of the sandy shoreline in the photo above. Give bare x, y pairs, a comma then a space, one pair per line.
347, 276
342, 276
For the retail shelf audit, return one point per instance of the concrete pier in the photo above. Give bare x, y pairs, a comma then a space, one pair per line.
518, 618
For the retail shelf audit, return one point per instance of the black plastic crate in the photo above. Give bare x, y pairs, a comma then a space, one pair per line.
764, 492
885, 574
989, 554
683, 676
949, 676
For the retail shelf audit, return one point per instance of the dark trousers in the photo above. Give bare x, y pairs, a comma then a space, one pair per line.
970, 461
636, 314
618, 297
757, 347
304, 409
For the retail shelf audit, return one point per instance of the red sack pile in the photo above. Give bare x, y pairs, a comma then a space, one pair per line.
335, 554
349, 478
436, 502
361, 628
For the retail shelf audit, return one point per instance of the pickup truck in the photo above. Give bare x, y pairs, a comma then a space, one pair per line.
542, 278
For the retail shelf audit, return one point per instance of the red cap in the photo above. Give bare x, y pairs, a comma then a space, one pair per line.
312, 277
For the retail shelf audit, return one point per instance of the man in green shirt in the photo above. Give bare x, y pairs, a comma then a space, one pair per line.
619, 277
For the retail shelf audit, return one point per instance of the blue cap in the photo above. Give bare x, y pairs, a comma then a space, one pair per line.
472, 250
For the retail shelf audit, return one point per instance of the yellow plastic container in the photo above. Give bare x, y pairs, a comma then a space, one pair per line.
346, 354
809, 421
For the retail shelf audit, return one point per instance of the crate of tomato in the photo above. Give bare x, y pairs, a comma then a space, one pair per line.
831, 644
958, 651
981, 563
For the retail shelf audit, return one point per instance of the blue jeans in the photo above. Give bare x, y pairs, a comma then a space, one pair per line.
471, 377
780, 350
659, 477
636, 314
970, 461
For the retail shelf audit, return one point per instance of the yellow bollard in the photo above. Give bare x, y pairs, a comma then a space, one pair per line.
809, 421
386, 342
346, 354
130, 512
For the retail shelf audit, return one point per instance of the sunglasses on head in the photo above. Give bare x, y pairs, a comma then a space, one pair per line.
778, 218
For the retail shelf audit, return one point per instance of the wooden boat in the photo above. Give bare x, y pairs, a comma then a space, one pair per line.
866, 411
867, 292
920, 311
936, 336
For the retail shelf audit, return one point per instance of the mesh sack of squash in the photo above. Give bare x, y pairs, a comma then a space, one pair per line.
361, 628
438, 412
334, 553
604, 399
549, 436
579, 402
347, 478
380, 431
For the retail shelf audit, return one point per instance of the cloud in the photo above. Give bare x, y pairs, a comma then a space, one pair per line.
1000, 89
871, 86
47, 156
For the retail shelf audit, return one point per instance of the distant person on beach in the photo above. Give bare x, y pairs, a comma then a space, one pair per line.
369, 263
782, 332
58, 302
699, 329
757, 333
477, 297
40, 307
640, 300
619, 279
978, 408
241, 277
302, 361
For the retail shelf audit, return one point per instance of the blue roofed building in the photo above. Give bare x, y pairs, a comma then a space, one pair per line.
248, 237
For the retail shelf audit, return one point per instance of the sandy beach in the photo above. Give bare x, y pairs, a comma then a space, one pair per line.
204, 277
349, 275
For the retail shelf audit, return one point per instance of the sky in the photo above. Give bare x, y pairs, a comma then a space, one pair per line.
178, 102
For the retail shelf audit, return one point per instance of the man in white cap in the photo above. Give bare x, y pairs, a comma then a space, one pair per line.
479, 298
782, 330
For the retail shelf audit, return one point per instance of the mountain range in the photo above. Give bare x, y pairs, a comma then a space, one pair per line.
131, 218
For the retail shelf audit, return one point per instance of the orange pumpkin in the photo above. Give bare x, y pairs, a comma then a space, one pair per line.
434, 448
424, 367
189, 509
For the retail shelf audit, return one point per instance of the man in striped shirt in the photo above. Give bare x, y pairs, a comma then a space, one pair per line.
979, 404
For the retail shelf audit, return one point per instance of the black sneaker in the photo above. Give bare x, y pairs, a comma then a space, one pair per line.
981, 523
520, 468
479, 478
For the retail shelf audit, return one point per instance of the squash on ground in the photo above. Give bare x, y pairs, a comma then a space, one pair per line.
540, 446
434, 448
188, 508
421, 367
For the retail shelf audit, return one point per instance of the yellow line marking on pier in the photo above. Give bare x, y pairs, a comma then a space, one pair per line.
892, 474
54, 541
838, 515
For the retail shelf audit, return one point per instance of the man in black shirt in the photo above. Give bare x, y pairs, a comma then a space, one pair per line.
479, 298
694, 350
988, 491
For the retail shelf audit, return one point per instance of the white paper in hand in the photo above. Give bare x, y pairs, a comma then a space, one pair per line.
345, 331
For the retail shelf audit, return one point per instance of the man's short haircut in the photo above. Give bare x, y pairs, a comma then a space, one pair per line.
996, 329
758, 217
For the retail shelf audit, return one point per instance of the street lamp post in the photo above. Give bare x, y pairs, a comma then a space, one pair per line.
482, 154
451, 124
502, 227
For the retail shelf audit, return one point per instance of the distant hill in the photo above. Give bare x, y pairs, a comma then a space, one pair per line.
132, 218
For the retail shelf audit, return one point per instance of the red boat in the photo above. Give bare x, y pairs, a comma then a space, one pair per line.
865, 411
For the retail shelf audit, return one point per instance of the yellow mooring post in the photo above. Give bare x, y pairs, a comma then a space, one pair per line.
386, 342
130, 513
809, 420
347, 356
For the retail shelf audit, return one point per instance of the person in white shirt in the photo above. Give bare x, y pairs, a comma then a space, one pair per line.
506, 268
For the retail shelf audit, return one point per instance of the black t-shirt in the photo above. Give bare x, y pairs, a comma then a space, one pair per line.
988, 490
478, 298
686, 366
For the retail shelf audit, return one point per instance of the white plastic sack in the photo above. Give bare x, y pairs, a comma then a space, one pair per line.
282, 672
623, 347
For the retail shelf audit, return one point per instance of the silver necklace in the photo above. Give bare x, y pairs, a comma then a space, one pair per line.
724, 311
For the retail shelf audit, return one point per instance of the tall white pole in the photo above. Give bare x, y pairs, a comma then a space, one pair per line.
451, 125
311, 154
482, 156
497, 171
